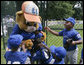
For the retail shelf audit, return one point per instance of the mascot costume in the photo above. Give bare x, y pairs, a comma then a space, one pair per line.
28, 24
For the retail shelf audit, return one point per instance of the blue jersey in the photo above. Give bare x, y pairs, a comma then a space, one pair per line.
45, 58
15, 57
71, 34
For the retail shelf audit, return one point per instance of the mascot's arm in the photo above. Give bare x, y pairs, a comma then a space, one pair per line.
16, 30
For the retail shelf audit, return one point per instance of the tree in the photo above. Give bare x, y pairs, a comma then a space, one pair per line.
8, 8
18, 5
59, 9
78, 10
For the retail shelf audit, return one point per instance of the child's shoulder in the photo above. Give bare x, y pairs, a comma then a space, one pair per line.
22, 53
17, 53
75, 31
7, 52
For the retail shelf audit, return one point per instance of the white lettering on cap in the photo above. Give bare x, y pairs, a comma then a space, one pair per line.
31, 8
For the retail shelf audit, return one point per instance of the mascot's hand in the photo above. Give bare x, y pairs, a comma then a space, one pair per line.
28, 44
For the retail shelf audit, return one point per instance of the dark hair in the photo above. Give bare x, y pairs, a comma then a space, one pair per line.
14, 48
55, 57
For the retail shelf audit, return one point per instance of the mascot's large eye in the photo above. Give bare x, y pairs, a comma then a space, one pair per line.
27, 23
31, 24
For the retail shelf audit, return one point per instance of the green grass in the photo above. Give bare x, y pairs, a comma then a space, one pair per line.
2, 53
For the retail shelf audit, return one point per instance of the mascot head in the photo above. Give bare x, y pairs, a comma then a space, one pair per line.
28, 18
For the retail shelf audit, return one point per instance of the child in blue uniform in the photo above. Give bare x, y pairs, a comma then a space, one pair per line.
14, 56
69, 33
58, 54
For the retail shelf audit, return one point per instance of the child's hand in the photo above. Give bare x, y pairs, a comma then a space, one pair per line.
24, 50
47, 28
73, 43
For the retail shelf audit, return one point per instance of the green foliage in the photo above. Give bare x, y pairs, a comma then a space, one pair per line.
8, 8
60, 9
64, 9
78, 13
18, 5
56, 9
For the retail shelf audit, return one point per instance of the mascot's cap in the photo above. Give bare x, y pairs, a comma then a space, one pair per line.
31, 11
14, 41
58, 51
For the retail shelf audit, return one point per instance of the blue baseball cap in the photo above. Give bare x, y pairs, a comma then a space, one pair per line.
60, 52
14, 41
70, 19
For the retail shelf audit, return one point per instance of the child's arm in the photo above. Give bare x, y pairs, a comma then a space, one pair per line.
77, 42
51, 31
23, 47
78, 39
42, 45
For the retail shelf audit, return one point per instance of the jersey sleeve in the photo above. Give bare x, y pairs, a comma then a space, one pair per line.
61, 33
77, 36
6, 55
